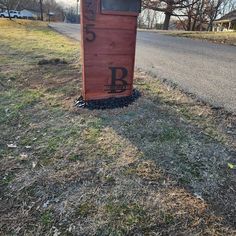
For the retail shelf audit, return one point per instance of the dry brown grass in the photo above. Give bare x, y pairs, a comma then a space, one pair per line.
157, 167
216, 37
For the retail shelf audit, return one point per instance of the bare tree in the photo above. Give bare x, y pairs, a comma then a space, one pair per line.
51, 6
203, 12
9, 5
227, 6
168, 7
192, 14
200, 15
213, 9
148, 19
140, 21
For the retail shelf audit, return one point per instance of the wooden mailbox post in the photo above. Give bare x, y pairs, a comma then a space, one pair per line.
109, 30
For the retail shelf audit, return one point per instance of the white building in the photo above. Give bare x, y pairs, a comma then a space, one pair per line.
29, 14
226, 23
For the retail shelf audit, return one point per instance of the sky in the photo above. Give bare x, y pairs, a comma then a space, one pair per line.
67, 2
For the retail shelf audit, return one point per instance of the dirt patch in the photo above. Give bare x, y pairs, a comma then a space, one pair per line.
54, 61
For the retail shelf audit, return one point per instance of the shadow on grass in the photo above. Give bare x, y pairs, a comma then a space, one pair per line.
137, 170
185, 157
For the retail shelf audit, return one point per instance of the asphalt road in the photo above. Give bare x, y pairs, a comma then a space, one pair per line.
204, 69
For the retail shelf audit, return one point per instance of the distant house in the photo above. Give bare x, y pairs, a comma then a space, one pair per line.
226, 23
28, 14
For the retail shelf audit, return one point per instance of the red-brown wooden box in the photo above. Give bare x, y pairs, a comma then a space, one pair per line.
108, 29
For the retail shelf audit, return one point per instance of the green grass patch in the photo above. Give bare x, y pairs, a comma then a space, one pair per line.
85, 209
14, 103
170, 134
124, 216
47, 218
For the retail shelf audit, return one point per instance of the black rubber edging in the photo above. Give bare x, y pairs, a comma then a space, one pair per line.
110, 103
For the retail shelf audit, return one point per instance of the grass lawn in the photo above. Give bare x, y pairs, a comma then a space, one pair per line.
217, 37
165, 165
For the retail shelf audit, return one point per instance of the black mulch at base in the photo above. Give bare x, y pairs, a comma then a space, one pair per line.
110, 103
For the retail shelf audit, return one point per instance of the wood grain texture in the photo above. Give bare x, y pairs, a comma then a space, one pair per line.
116, 22
111, 42
108, 49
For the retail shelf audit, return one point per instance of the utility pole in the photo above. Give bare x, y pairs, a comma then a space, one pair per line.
41, 9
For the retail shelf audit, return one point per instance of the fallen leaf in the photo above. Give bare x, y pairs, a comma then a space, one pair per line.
231, 166
34, 164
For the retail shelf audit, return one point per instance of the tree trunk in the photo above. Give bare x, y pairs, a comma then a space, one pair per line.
194, 24
210, 25
189, 23
9, 14
41, 9
167, 21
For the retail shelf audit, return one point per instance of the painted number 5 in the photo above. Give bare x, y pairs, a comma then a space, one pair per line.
91, 36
